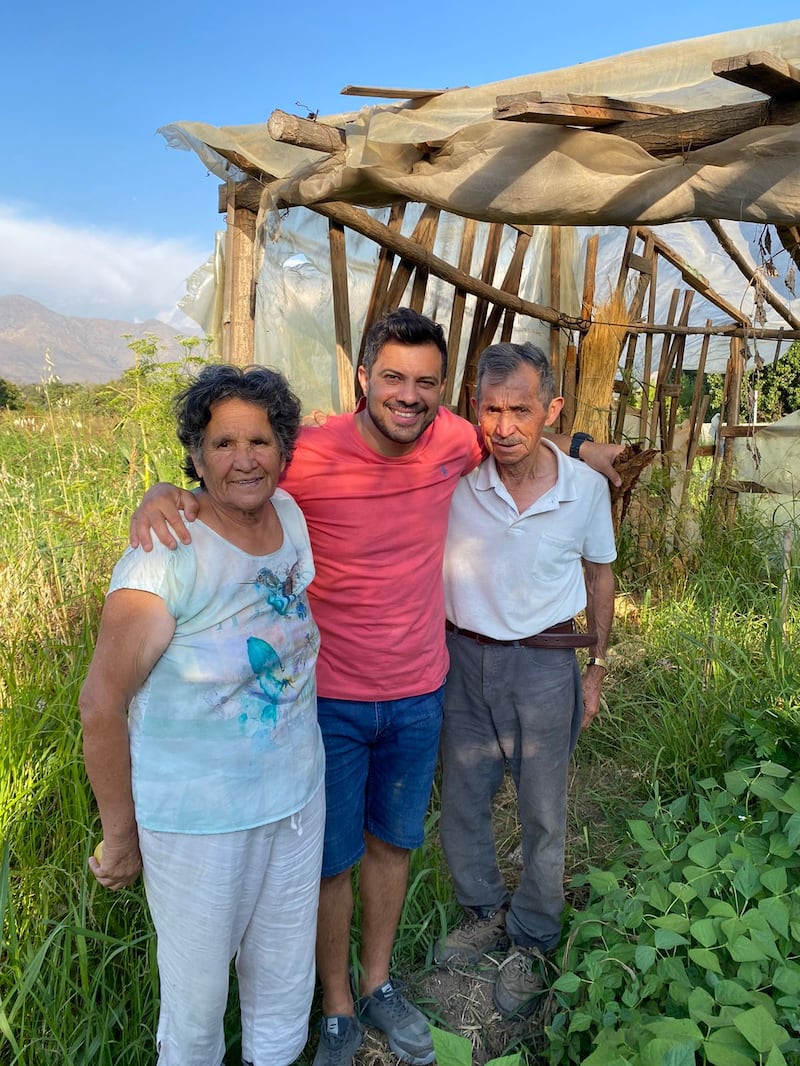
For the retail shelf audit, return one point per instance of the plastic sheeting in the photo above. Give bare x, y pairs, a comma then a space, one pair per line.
449, 152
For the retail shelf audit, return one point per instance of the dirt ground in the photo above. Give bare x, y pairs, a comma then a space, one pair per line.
461, 997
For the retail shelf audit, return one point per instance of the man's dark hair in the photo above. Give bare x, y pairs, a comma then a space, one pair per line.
258, 385
498, 361
405, 327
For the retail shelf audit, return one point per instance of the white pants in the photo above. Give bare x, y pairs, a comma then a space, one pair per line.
253, 895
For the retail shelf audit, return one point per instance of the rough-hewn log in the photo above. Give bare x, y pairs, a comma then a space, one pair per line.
697, 129
305, 132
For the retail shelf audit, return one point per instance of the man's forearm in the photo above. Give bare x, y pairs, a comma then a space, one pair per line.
600, 588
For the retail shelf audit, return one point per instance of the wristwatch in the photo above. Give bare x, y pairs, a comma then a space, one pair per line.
576, 441
595, 660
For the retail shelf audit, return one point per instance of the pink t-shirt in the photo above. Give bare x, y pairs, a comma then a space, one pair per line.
377, 527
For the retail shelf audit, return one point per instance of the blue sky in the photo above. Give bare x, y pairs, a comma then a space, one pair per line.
99, 218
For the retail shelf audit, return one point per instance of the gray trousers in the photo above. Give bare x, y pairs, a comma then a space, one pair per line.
522, 708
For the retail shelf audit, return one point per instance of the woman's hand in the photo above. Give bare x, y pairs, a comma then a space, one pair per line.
120, 862
161, 504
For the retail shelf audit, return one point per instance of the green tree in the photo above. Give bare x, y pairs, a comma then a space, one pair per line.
777, 386
10, 396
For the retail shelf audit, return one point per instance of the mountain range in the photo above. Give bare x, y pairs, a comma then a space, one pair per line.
36, 343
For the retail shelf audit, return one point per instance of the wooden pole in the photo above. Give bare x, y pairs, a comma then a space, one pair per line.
341, 317
458, 308
555, 301
238, 295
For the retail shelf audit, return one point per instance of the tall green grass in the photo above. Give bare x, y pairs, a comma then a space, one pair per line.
704, 666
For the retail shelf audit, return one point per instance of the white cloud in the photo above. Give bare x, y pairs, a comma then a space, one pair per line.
92, 273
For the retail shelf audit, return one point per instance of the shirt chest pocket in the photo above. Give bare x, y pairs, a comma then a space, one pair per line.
554, 559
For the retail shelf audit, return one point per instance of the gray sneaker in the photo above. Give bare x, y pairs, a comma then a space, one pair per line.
339, 1039
519, 982
406, 1028
468, 943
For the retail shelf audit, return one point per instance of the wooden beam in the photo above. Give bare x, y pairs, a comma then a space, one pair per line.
341, 317
762, 71
248, 195
685, 132
363, 223
693, 277
377, 92
305, 132
380, 284
238, 293
574, 109
459, 306
749, 270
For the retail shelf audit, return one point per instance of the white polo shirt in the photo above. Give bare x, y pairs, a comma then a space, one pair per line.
509, 575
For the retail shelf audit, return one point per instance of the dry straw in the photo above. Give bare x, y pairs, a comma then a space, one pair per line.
598, 359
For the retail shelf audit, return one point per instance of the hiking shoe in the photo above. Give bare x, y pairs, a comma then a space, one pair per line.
519, 982
468, 943
339, 1039
406, 1028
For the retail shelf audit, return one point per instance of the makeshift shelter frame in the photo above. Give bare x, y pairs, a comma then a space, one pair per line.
405, 262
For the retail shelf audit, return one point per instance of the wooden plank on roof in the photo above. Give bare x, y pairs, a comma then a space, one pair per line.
378, 92
574, 109
762, 71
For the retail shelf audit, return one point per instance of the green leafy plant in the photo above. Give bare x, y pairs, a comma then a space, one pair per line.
686, 952
453, 1050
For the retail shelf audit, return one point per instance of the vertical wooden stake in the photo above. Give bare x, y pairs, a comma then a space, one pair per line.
341, 317
238, 294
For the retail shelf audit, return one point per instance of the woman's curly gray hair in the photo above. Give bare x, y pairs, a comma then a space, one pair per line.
258, 385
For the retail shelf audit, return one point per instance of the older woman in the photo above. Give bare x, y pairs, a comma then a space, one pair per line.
201, 739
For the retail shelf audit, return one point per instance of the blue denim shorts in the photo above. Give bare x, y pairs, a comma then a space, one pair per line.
380, 758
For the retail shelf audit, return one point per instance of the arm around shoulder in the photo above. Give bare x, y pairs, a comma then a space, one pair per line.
163, 503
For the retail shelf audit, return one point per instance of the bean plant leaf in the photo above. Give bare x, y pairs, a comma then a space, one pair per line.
747, 880
743, 949
642, 833
792, 830
665, 939
705, 853
678, 1029
705, 959
775, 1058
680, 890
506, 1060
580, 1021
661, 1052
451, 1049
773, 769
731, 994
791, 796
676, 923
602, 881
644, 957
774, 879
704, 931
725, 1047
787, 979
736, 782
759, 1029
780, 846
567, 982
777, 914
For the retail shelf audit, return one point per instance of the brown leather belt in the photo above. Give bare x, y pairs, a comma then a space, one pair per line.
563, 635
